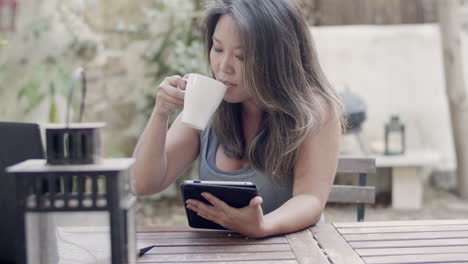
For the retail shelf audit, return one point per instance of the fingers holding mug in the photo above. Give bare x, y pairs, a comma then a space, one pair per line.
170, 95
175, 86
181, 82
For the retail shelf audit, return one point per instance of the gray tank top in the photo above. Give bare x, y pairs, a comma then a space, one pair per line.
273, 195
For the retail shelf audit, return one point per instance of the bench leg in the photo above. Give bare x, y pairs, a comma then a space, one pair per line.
406, 188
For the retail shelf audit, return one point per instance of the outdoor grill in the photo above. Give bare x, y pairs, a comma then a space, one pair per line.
355, 110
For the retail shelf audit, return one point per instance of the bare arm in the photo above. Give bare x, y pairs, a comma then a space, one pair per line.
162, 155
314, 173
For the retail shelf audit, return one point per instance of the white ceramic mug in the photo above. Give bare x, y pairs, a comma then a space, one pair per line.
202, 96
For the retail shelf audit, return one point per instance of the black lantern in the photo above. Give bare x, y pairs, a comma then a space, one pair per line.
74, 207
394, 137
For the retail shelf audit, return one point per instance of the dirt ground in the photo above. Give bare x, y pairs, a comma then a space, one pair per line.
437, 204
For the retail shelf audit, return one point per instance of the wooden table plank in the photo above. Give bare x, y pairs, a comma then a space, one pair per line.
426, 258
367, 252
219, 257
399, 229
333, 244
217, 249
405, 236
305, 248
188, 234
410, 243
229, 262
211, 241
402, 223
155, 229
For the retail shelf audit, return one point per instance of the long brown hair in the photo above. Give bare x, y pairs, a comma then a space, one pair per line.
283, 75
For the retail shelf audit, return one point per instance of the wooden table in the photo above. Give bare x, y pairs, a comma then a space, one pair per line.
185, 245
437, 241
433, 241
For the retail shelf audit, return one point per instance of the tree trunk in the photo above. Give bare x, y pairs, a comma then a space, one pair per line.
449, 20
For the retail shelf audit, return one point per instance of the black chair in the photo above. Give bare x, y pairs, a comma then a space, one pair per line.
360, 194
18, 142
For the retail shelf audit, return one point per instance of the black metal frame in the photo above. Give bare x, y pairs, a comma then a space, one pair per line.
361, 207
73, 145
62, 186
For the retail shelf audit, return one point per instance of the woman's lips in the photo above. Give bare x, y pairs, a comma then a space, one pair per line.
229, 84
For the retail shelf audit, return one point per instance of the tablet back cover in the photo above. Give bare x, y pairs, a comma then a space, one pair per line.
234, 196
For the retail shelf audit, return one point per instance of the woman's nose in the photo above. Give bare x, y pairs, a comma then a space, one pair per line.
226, 65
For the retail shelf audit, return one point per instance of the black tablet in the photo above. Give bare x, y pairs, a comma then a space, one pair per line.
235, 194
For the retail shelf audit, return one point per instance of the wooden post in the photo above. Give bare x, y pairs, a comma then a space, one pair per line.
449, 20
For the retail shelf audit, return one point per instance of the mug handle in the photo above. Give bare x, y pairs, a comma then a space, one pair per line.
186, 82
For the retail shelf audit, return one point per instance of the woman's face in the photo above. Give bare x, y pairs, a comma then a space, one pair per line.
226, 58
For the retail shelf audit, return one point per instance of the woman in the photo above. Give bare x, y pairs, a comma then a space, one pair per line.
278, 125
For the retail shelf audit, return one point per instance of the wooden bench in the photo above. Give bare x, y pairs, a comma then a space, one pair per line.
360, 194
407, 175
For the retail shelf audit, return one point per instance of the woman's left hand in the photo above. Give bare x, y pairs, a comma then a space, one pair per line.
247, 220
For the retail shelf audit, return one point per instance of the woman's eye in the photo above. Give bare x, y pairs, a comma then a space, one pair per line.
240, 57
217, 49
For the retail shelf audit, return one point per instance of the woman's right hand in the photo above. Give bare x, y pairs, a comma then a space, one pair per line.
170, 96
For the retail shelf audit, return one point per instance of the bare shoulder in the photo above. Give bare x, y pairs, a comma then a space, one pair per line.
330, 120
